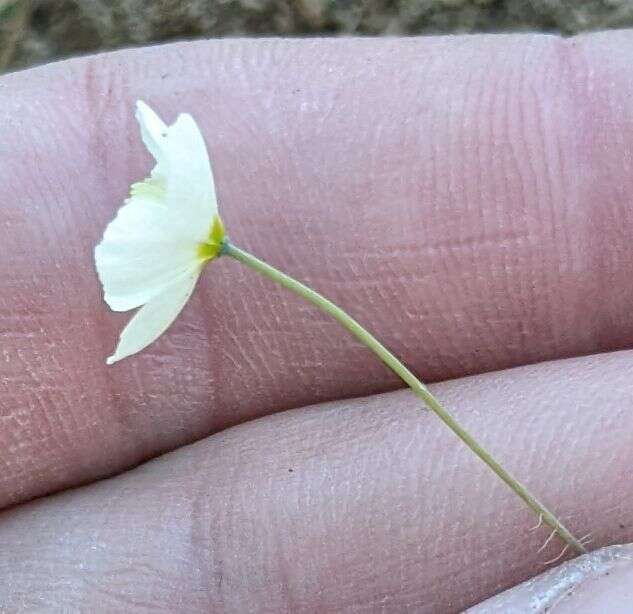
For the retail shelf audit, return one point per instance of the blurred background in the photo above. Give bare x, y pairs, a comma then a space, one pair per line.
37, 31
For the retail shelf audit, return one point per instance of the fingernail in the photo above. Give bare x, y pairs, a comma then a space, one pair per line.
601, 581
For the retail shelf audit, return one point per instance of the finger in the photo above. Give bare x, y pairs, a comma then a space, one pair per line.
463, 197
360, 505
598, 582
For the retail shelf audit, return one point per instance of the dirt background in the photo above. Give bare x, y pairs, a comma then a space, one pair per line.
37, 31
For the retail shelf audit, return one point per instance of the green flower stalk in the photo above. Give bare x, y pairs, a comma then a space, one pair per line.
153, 253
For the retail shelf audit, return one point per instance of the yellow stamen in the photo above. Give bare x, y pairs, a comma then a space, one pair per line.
217, 234
213, 246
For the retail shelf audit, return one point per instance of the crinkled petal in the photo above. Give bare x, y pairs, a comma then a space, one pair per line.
153, 133
143, 250
183, 164
154, 318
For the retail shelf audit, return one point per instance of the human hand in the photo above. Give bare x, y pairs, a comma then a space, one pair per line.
466, 198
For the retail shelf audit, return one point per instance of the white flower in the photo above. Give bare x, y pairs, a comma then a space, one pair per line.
153, 252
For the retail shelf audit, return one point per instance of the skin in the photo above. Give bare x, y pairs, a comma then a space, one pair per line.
466, 198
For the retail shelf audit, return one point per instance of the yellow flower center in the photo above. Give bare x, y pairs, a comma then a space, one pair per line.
211, 248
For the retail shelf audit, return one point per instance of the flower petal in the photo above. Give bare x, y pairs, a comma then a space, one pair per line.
183, 164
143, 250
153, 129
189, 167
153, 319
153, 133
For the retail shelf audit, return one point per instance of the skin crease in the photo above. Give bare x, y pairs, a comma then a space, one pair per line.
478, 187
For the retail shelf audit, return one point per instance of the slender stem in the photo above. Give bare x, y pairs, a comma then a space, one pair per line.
411, 380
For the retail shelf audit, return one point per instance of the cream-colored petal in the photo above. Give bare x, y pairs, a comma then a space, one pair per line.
153, 130
143, 250
190, 186
183, 168
153, 319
